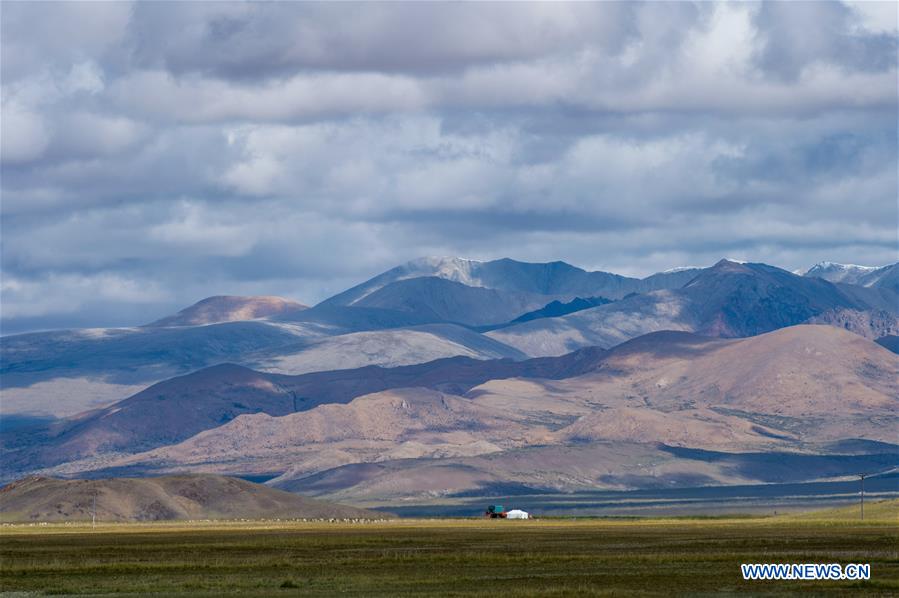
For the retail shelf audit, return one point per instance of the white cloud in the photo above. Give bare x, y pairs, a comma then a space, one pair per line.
877, 16
24, 135
89, 134
38, 36
84, 76
157, 94
202, 232
69, 293
295, 148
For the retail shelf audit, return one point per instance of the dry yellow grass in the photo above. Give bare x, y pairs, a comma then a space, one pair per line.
445, 557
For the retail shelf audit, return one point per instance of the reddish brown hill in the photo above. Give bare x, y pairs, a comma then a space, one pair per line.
799, 389
796, 390
161, 498
178, 408
230, 308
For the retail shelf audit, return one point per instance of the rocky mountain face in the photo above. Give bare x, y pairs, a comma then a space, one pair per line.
872, 324
888, 279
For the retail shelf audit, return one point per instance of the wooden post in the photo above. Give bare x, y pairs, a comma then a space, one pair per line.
862, 479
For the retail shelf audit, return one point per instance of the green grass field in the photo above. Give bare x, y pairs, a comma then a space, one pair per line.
448, 557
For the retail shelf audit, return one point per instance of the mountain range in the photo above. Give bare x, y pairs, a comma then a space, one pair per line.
728, 300
865, 276
446, 376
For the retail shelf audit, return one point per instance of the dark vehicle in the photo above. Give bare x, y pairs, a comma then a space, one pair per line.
495, 512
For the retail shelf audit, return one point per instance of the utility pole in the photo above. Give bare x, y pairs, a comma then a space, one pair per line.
861, 478
94, 512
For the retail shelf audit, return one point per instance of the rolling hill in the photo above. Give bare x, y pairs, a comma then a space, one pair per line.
175, 409
390, 348
66, 372
768, 397
161, 499
229, 308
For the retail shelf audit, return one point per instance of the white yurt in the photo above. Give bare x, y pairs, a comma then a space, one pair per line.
517, 514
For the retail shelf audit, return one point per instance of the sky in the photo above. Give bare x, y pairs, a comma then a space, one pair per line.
157, 153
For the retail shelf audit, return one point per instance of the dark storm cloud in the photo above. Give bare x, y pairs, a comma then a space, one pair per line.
156, 153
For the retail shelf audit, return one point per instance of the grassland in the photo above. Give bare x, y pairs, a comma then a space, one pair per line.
449, 557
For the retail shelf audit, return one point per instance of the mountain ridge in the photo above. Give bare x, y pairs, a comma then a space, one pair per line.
423, 310
548, 278
728, 300
865, 276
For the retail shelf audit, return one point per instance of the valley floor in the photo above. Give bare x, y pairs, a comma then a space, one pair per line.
474, 557
755, 499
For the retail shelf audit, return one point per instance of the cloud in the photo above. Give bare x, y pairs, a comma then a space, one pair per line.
441, 37
26, 298
25, 135
874, 17
295, 148
790, 45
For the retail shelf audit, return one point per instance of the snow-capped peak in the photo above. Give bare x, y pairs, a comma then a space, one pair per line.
846, 273
841, 267
440, 260
457, 269
679, 269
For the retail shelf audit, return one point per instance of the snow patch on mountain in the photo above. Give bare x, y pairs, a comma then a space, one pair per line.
848, 273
